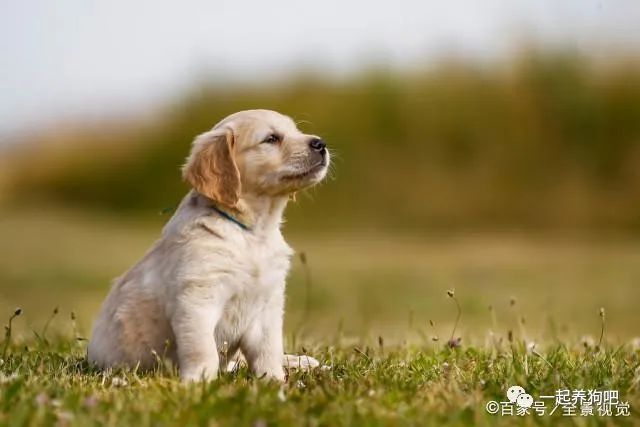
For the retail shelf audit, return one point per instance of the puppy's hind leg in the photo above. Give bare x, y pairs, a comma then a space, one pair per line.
289, 361
303, 362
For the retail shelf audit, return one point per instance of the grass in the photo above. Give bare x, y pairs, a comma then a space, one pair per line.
51, 383
373, 307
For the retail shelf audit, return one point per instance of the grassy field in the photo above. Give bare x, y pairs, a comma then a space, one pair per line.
358, 284
367, 304
47, 384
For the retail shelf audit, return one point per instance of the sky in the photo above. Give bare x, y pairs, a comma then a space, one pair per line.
82, 58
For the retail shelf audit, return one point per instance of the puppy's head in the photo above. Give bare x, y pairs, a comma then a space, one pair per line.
259, 152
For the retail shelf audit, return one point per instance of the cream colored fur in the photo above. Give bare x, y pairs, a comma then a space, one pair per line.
207, 288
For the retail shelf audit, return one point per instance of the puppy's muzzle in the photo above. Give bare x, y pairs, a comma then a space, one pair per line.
319, 149
318, 145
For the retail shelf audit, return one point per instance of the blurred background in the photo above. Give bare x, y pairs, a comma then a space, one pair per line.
488, 147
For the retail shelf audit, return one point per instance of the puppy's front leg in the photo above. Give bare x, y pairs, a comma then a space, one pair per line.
262, 344
194, 321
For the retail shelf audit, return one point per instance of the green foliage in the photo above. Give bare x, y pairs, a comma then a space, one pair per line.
545, 141
53, 384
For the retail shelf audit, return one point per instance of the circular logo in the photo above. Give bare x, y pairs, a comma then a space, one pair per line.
492, 407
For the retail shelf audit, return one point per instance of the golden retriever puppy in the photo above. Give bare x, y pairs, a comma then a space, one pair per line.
215, 280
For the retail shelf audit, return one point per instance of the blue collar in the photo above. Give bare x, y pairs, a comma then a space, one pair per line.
231, 218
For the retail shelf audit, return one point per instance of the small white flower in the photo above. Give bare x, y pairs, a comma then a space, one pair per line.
588, 341
119, 382
326, 367
531, 346
4, 379
300, 384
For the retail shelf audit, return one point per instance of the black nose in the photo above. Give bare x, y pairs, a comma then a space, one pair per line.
317, 144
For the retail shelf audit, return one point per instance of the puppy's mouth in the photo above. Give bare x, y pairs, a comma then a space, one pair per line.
309, 173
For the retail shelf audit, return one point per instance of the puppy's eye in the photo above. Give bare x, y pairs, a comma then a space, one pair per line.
271, 139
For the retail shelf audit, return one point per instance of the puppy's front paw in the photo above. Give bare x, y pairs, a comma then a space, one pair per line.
302, 361
200, 373
272, 374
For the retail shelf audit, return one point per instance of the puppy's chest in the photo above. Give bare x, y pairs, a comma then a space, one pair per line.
261, 283
266, 266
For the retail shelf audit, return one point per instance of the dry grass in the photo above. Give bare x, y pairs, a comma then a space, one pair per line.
365, 284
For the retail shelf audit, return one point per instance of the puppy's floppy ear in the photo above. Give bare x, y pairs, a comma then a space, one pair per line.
211, 168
